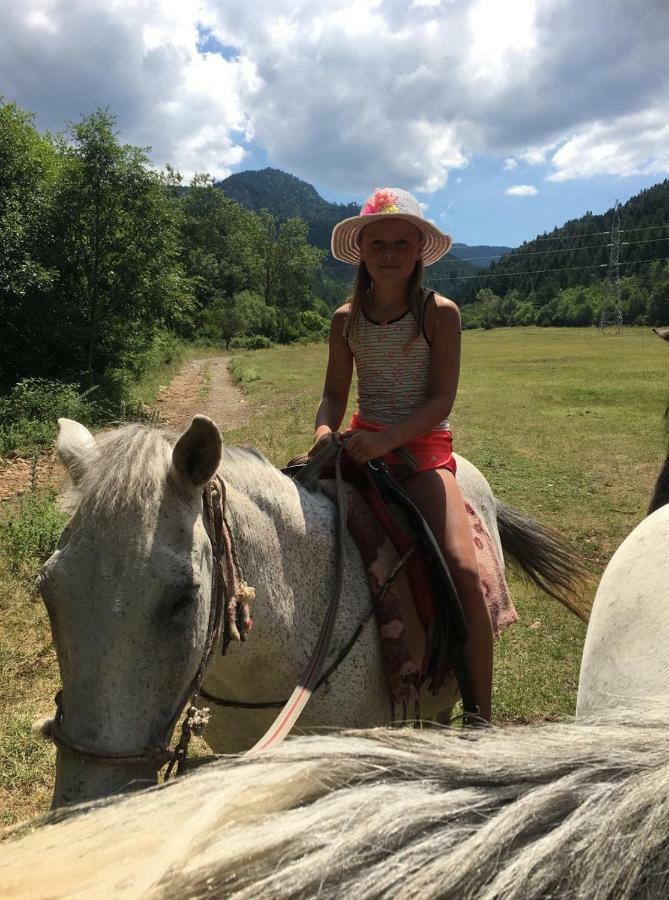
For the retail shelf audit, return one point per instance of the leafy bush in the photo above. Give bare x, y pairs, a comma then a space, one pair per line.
250, 342
29, 412
241, 317
316, 325
40, 399
241, 374
122, 391
31, 533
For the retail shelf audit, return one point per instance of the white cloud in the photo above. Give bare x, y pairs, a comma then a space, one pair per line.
354, 93
534, 156
501, 35
426, 4
521, 190
630, 145
142, 61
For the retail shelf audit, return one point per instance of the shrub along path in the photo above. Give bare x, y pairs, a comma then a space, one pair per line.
203, 385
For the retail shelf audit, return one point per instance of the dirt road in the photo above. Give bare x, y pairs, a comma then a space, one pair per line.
203, 386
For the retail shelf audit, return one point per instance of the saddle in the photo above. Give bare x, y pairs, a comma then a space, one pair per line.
420, 644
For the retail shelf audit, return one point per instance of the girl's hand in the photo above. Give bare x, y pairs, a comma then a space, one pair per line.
362, 446
322, 441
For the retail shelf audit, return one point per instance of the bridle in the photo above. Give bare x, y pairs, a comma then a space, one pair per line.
228, 588
226, 583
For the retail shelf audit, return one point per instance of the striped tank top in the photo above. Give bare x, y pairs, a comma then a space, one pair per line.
392, 368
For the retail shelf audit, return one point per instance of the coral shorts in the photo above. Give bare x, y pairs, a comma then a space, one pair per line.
433, 450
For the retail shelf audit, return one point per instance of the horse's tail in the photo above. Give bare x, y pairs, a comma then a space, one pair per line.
543, 555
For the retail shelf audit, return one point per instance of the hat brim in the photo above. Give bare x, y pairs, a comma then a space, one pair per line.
345, 247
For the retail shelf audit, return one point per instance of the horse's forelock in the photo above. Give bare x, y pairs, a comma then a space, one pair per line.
126, 469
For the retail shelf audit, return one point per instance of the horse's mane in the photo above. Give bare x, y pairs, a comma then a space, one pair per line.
127, 468
560, 810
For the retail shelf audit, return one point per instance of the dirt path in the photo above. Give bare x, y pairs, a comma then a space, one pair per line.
202, 386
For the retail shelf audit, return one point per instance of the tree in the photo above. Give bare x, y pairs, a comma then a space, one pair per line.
223, 244
244, 314
296, 264
115, 246
658, 301
28, 164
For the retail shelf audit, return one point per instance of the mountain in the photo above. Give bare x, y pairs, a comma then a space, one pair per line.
578, 252
481, 255
285, 195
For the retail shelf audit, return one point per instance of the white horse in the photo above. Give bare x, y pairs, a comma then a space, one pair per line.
626, 654
128, 593
625, 658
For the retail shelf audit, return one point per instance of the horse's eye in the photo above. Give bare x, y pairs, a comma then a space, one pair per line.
184, 600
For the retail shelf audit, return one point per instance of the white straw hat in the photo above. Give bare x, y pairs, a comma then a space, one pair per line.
386, 202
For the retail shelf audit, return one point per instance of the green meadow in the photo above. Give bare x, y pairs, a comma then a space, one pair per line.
566, 424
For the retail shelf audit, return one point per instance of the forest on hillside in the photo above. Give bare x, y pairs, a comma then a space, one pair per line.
561, 278
566, 277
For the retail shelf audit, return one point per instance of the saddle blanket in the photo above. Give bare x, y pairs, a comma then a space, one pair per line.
404, 615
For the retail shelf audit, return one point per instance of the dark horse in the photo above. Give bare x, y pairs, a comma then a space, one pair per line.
661, 490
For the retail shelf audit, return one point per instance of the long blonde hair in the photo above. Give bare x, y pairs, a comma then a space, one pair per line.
363, 286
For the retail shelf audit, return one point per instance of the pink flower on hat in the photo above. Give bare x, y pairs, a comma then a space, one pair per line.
381, 201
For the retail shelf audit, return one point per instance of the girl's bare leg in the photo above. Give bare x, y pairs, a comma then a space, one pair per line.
438, 497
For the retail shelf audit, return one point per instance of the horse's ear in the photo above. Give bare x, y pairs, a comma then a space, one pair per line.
197, 453
75, 447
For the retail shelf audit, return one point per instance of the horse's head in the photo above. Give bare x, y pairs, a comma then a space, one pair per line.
128, 593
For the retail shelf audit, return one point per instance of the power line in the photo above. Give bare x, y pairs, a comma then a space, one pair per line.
564, 237
533, 252
630, 262
642, 228
514, 255
512, 274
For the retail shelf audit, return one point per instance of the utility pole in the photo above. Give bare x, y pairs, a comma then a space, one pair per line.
612, 307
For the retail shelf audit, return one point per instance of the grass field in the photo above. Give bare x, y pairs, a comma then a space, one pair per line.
567, 426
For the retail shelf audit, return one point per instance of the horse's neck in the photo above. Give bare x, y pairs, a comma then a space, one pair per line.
268, 509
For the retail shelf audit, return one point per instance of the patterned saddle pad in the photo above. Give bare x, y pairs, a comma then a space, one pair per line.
406, 612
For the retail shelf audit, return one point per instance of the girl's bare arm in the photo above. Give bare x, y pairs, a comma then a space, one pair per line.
332, 407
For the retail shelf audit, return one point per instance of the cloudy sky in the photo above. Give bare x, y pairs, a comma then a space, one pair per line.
507, 117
